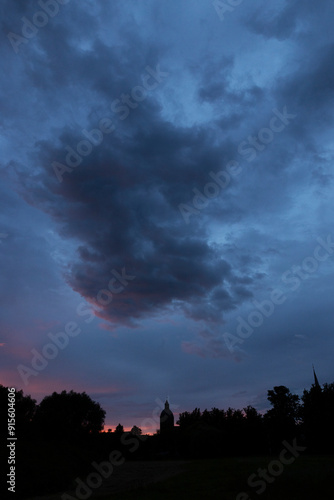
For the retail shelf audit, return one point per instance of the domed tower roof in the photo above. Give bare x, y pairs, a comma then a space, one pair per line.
167, 409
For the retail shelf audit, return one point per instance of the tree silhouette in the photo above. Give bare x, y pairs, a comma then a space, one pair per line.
25, 408
285, 405
69, 414
254, 435
136, 431
282, 418
187, 419
317, 415
252, 415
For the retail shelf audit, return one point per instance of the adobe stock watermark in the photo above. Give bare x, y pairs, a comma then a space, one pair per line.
40, 19
103, 470
275, 468
122, 107
60, 340
249, 149
227, 6
94, 480
293, 278
220, 181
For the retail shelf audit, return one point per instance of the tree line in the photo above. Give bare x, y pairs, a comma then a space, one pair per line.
71, 415
308, 419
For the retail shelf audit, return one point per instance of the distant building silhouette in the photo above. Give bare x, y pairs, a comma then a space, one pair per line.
166, 420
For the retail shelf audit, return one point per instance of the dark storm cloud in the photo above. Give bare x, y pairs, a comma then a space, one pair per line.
293, 19
120, 204
280, 23
312, 89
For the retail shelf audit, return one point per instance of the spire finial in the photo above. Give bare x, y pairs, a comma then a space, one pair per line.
316, 381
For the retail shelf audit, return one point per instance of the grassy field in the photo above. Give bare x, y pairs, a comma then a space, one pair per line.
308, 478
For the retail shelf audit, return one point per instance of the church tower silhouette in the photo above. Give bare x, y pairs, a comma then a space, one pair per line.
166, 420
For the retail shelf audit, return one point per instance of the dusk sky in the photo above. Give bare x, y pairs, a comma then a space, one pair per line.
166, 201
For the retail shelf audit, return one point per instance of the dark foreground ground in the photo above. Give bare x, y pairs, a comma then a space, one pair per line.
308, 478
